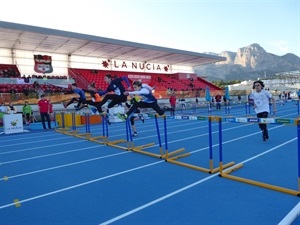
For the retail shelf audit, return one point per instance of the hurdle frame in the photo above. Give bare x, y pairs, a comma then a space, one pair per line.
104, 136
87, 133
140, 149
211, 168
227, 173
74, 130
63, 128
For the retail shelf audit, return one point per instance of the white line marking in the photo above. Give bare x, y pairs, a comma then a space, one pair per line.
181, 189
42, 156
40, 140
44, 146
291, 216
81, 184
157, 200
65, 165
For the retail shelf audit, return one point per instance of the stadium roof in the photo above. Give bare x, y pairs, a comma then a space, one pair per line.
38, 39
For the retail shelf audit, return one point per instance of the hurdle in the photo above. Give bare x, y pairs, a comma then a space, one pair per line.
115, 143
247, 108
141, 149
105, 136
102, 139
211, 168
63, 128
227, 108
209, 108
87, 133
227, 173
74, 130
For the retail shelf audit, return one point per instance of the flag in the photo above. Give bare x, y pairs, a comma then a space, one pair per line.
207, 94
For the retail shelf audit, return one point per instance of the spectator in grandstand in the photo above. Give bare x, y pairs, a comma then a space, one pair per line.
12, 90
261, 100
43, 105
26, 79
134, 118
39, 92
114, 85
37, 88
11, 108
36, 84
27, 113
48, 91
80, 101
25, 90
172, 101
13, 93
147, 100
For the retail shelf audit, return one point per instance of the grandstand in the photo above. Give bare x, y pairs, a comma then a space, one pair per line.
83, 59
54, 86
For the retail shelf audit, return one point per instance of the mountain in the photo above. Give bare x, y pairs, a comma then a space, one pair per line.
250, 62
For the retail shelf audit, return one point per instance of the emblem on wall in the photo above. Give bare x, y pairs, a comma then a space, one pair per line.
43, 64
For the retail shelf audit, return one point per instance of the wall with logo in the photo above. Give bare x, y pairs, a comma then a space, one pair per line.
60, 63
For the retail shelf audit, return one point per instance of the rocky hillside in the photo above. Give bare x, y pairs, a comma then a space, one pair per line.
249, 62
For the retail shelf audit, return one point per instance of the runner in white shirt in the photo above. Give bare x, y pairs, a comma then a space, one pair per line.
261, 99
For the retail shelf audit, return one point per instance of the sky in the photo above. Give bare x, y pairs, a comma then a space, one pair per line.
191, 25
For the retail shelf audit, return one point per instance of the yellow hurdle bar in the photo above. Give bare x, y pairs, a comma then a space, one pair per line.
217, 169
189, 165
115, 142
71, 133
260, 184
85, 136
61, 130
180, 156
176, 151
96, 139
141, 147
146, 153
226, 174
117, 146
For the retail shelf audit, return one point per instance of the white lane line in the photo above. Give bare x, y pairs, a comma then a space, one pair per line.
70, 164
37, 141
64, 165
39, 147
28, 136
81, 184
42, 156
184, 188
157, 200
291, 216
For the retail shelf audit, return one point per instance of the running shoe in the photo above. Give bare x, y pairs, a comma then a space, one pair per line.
122, 117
